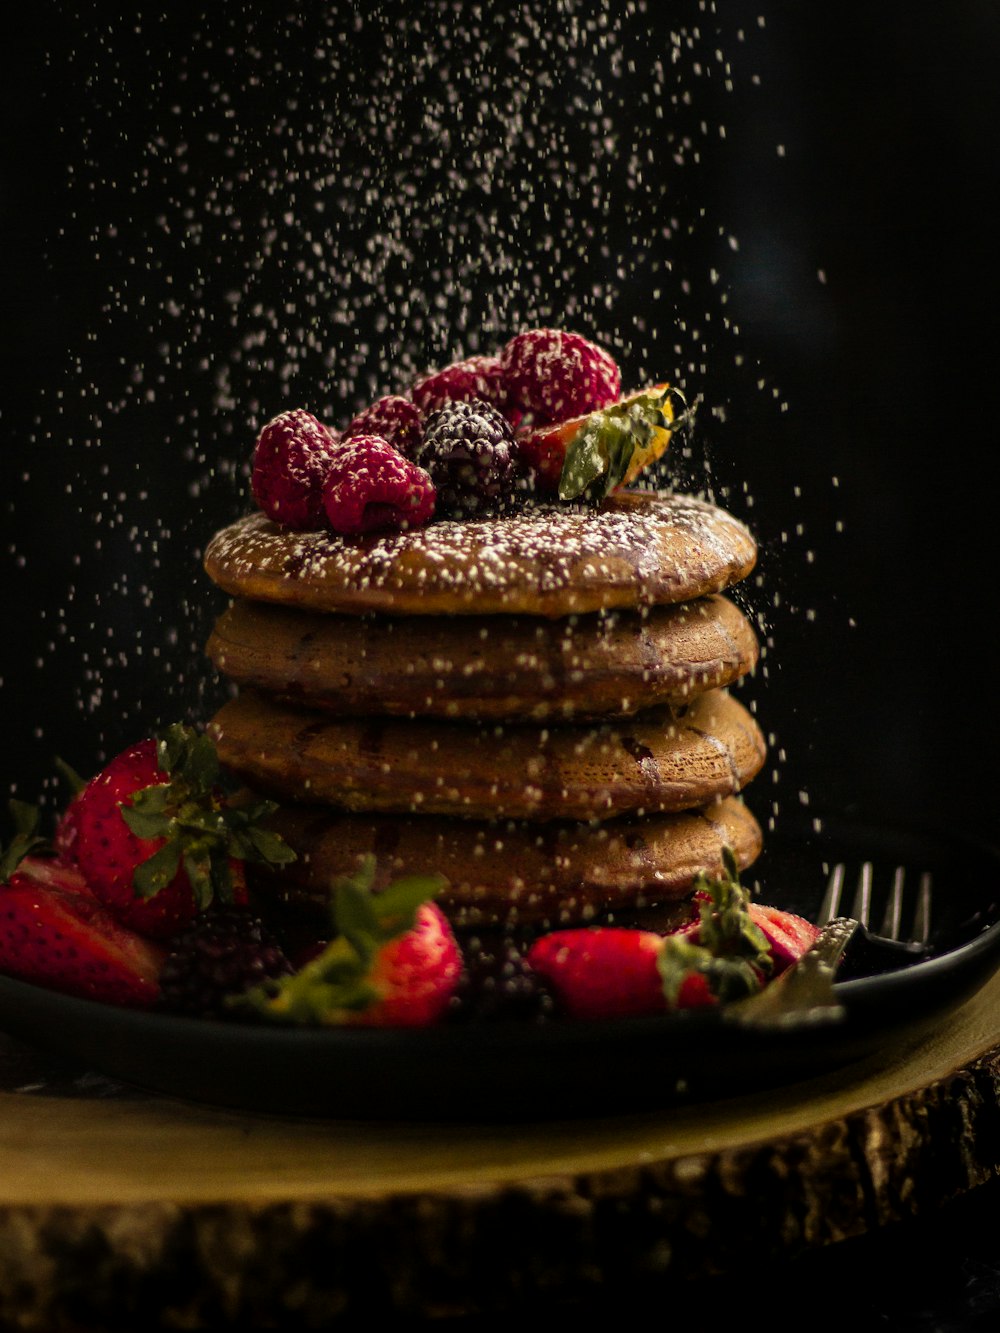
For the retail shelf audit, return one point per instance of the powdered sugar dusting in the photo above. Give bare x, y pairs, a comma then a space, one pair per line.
549, 559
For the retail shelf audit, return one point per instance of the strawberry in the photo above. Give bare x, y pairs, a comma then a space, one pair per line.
556, 375
604, 449
290, 461
160, 838
393, 962
729, 950
601, 971
55, 933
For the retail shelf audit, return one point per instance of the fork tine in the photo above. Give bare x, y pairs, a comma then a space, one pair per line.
830, 905
894, 907
863, 895
922, 916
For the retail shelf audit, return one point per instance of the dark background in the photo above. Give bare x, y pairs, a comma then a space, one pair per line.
845, 343
149, 162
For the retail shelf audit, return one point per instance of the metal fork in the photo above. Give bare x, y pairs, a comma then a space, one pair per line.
895, 943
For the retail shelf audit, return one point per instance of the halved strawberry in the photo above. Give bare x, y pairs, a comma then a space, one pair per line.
788, 935
393, 963
604, 449
55, 933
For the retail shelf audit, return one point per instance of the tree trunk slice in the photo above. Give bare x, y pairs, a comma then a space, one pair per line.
182, 1216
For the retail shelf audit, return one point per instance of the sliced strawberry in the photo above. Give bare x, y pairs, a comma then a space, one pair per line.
159, 839
394, 961
788, 935
55, 933
605, 449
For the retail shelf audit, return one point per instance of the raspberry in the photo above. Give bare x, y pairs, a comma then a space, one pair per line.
470, 453
392, 418
558, 375
290, 463
223, 952
478, 377
371, 485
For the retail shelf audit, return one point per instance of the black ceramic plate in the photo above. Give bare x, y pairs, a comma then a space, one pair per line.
509, 1070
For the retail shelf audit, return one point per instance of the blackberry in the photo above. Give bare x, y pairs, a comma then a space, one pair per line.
469, 451
224, 952
498, 983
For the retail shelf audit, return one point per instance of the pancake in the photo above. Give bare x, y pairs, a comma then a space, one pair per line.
635, 549
484, 667
513, 873
666, 759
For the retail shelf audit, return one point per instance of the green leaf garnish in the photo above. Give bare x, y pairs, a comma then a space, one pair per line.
598, 457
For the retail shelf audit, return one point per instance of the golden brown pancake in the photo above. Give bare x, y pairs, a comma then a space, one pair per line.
635, 549
507, 873
666, 759
484, 667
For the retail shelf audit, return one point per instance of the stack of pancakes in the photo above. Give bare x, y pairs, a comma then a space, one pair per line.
533, 705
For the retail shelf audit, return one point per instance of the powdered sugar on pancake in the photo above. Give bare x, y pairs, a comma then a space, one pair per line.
636, 549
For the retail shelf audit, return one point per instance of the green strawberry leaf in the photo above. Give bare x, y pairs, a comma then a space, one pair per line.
599, 455
25, 840
157, 871
73, 779
146, 824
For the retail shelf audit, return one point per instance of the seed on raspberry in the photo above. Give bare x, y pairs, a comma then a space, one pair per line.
470, 454
558, 375
224, 952
290, 462
391, 418
479, 377
371, 486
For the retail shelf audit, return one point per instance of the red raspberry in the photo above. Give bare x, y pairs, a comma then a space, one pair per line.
478, 377
371, 485
392, 418
558, 375
290, 462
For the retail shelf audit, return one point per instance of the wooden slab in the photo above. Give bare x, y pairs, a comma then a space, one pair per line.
118, 1203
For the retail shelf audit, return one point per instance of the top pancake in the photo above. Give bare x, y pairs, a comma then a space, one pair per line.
636, 549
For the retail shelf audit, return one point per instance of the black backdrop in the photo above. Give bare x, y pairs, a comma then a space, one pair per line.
853, 383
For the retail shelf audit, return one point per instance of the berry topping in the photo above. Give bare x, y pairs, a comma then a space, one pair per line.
470, 454
55, 933
557, 375
290, 462
371, 486
499, 983
392, 418
159, 838
221, 954
606, 449
393, 963
477, 377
